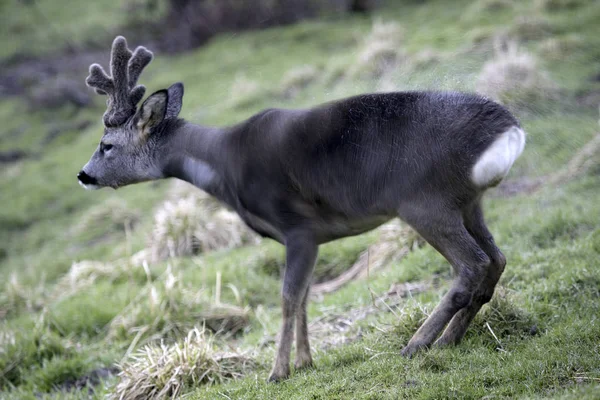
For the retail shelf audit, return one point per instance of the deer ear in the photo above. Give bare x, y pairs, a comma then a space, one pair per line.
175, 100
153, 111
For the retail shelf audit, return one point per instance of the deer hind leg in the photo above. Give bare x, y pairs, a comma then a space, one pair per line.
301, 254
475, 224
303, 357
447, 234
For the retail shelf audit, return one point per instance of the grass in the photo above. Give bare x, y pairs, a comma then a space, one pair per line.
73, 303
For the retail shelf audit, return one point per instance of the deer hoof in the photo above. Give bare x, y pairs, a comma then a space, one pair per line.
411, 349
304, 364
278, 375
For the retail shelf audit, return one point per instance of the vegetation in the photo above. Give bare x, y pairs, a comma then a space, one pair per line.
86, 309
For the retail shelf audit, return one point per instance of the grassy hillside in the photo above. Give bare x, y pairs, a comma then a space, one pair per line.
74, 303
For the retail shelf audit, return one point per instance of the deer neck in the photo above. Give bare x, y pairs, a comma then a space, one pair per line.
197, 154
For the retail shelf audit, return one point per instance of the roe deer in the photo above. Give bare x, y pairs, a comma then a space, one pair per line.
306, 177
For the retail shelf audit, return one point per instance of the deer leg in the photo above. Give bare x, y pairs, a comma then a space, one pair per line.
303, 357
475, 224
448, 235
301, 253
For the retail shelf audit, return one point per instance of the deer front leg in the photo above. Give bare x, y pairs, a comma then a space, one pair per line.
301, 254
303, 357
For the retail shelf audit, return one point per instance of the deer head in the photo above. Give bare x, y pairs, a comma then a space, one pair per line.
129, 148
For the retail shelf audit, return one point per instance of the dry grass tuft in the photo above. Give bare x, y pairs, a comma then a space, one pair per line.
381, 50
196, 223
174, 225
167, 371
167, 308
243, 91
426, 58
513, 76
113, 214
298, 78
16, 295
558, 48
531, 27
7, 338
83, 274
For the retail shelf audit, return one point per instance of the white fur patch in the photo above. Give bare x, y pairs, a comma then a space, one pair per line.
495, 162
89, 187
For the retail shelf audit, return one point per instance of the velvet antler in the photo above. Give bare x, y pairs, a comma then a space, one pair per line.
125, 69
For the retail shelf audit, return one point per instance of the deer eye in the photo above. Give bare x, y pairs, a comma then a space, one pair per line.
105, 147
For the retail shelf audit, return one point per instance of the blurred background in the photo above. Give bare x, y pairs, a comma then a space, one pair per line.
156, 291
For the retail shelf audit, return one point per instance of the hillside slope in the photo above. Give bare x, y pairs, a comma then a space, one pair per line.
75, 299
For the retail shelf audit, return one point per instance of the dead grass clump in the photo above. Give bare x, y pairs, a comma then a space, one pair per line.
296, 79
174, 226
193, 224
83, 274
381, 50
167, 371
531, 27
426, 58
16, 295
7, 338
558, 48
513, 76
168, 308
388, 83
113, 214
243, 91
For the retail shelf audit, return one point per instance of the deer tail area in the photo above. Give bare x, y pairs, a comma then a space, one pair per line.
495, 162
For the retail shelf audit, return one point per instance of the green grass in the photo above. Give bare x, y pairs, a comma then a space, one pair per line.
544, 316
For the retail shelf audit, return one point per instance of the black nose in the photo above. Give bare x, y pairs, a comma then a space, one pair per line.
86, 179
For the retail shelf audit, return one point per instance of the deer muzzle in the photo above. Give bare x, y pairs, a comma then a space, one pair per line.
88, 182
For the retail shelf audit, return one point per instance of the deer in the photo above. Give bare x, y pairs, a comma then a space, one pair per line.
304, 177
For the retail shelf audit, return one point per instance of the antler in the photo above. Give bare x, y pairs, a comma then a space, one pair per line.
125, 69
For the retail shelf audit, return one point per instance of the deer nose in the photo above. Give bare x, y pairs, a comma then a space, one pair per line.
85, 178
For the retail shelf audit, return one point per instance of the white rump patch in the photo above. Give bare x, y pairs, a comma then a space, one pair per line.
495, 162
